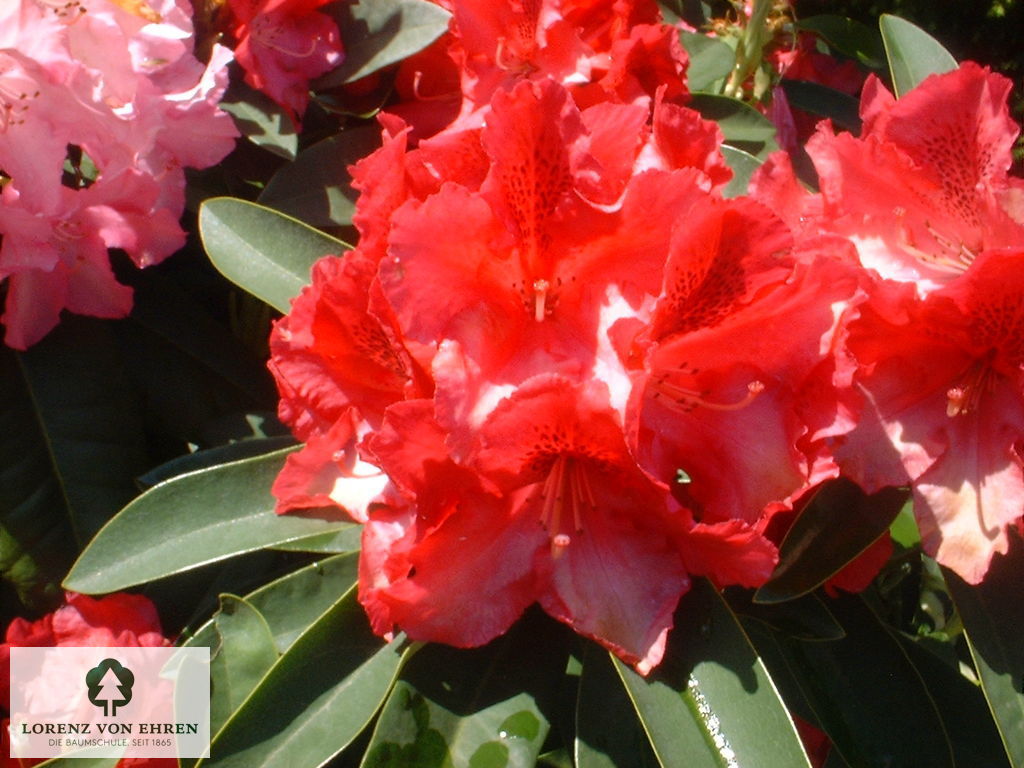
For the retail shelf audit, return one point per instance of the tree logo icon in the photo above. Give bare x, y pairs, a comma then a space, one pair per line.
110, 685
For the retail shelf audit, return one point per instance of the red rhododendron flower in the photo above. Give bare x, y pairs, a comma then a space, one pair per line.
943, 406
925, 189
549, 506
118, 620
282, 45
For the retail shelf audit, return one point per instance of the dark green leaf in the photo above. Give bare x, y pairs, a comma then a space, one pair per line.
742, 126
262, 251
710, 60
316, 188
842, 109
261, 119
317, 698
913, 54
377, 33
993, 615
743, 165
839, 523
476, 707
211, 457
961, 705
245, 651
867, 695
608, 734
70, 444
189, 521
806, 618
849, 37
711, 698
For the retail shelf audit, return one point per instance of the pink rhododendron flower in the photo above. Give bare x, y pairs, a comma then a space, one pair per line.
123, 90
282, 45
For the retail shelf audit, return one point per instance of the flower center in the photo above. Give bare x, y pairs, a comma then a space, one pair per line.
65, 10
953, 256
673, 389
566, 495
16, 93
976, 382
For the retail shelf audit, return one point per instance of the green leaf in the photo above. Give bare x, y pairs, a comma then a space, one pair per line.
345, 540
261, 119
849, 37
710, 60
842, 109
913, 54
245, 651
805, 618
962, 707
857, 684
70, 446
711, 698
839, 523
608, 734
993, 614
316, 188
377, 33
293, 602
262, 251
477, 707
212, 457
194, 519
743, 127
743, 165
317, 698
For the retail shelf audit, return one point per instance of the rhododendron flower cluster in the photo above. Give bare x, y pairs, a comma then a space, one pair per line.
937, 389
529, 379
282, 45
118, 620
117, 86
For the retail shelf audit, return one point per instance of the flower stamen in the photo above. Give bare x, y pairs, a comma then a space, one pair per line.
566, 492
679, 397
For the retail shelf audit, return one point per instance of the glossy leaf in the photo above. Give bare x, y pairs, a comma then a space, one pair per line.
993, 614
849, 37
212, 457
293, 602
245, 651
70, 446
711, 60
473, 707
711, 698
857, 684
839, 523
743, 127
262, 251
842, 109
344, 540
743, 165
316, 187
317, 698
608, 734
377, 33
194, 519
261, 120
913, 54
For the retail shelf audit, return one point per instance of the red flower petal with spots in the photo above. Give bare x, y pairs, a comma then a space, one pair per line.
944, 407
740, 336
925, 189
549, 507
